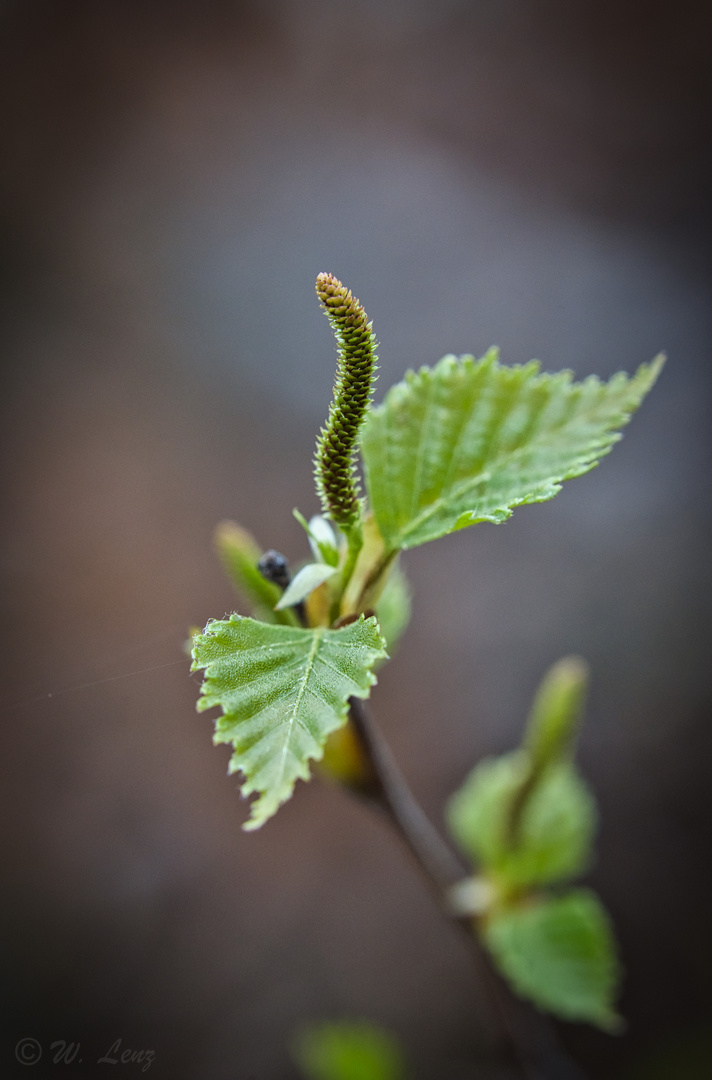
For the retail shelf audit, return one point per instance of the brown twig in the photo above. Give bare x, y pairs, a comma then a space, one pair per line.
523, 1034
388, 789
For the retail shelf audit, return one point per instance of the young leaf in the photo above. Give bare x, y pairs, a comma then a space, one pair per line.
468, 441
560, 953
321, 536
240, 553
282, 690
556, 711
554, 833
368, 572
348, 1051
310, 577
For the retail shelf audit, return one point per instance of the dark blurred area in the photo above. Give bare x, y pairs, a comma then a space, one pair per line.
536, 175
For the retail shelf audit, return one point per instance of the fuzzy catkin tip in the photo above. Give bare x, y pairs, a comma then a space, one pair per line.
334, 466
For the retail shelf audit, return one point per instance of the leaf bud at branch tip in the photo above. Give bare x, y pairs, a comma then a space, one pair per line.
556, 711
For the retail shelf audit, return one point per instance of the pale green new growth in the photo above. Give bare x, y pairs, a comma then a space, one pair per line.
348, 1051
394, 608
282, 691
322, 538
310, 577
528, 819
560, 953
553, 722
468, 441
552, 842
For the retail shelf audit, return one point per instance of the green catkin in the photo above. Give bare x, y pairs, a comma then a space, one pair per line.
334, 467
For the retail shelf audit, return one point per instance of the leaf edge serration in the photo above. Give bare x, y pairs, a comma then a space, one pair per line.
392, 486
232, 726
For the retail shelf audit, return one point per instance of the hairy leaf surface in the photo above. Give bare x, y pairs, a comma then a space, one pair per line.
282, 690
560, 953
468, 440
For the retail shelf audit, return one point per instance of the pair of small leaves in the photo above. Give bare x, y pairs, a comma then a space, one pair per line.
558, 951
552, 839
282, 690
528, 819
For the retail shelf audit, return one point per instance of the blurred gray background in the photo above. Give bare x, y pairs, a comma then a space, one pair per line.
535, 175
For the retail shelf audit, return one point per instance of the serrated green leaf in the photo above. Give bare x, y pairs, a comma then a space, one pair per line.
467, 441
348, 1051
560, 953
282, 690
554, 833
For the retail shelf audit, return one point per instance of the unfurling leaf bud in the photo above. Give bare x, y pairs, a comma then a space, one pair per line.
554, 718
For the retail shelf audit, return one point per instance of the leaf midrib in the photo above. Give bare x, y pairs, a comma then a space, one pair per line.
308, 668
460, 490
